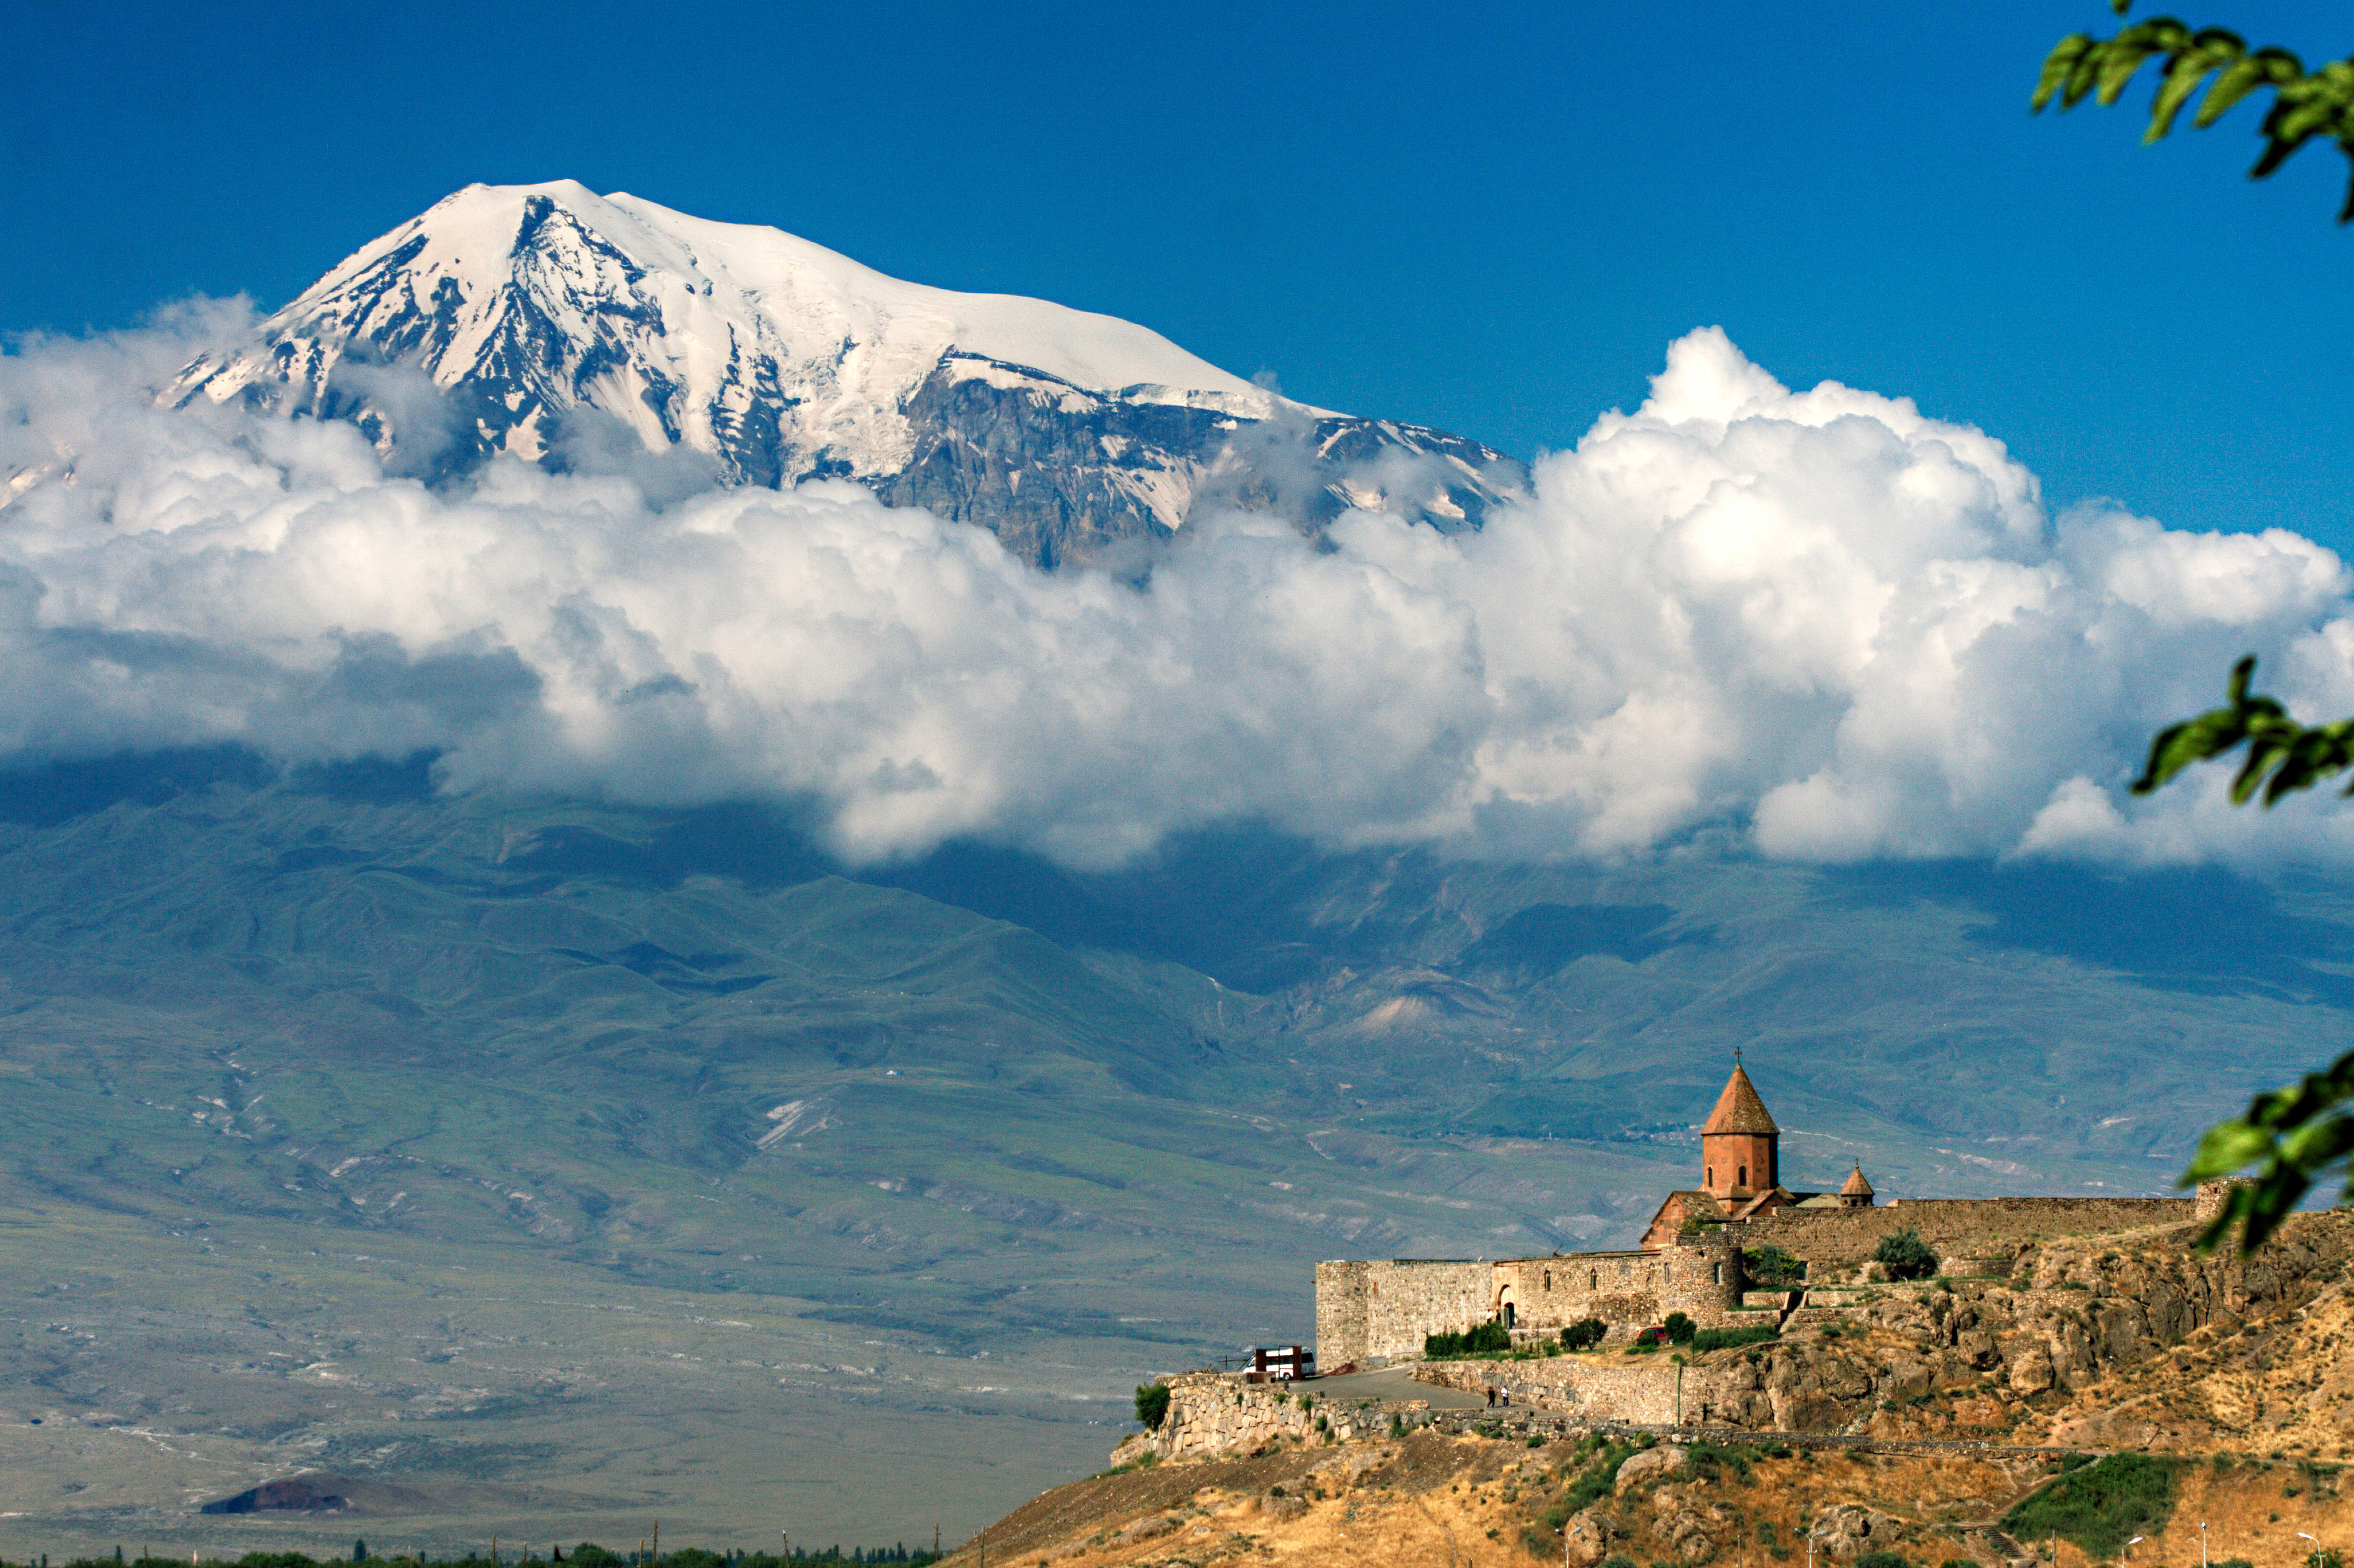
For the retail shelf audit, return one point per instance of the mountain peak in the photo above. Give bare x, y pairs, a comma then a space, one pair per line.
529, 306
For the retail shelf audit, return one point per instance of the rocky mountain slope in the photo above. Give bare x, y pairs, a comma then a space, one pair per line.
1471, 1500
1950, 1402
557, 325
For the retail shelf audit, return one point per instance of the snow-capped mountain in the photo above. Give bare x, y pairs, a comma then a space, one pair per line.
780, 359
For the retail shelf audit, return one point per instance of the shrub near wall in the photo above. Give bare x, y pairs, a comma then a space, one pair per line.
1905, 1255
1487, 1338
1769, 1266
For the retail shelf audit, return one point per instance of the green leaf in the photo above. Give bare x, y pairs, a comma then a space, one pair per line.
2241, 78
2118, 63
2058, 67
2229, 1146
2182, 79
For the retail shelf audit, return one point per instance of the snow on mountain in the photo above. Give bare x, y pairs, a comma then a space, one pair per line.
1060, 429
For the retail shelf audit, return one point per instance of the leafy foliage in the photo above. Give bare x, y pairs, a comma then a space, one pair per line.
1153, 1404
2283, 755
1726, 1339
1583, 1334
1905, 1255
2101, 1506
1592, 1484
2296, 1133
1770, 1266
1885, 1560
1485, 1340
2305, 105
1710, 1460
2291, 1132
1681, 1328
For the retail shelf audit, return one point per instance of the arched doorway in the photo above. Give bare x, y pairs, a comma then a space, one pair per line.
1511, 1317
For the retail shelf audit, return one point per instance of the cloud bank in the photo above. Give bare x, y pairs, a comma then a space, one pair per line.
1818, 623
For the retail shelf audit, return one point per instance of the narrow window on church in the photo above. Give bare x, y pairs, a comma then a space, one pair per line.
1720, 1274
1548, 1279
1709, 1175
1745, 1175
1593, 1280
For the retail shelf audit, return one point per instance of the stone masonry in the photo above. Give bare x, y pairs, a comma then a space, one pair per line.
1387, 1308
1691, 1258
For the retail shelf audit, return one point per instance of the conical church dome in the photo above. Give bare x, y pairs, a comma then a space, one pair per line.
1738, 1108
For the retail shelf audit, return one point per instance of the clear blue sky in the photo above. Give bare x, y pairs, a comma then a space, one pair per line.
1489, 219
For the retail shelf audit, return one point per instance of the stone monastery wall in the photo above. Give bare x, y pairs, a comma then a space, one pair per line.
1960, 1231
1387, 1308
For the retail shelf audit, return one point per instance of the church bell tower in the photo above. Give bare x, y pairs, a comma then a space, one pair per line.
1739, 1146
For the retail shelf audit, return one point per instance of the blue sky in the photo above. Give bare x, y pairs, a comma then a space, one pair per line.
1491, 219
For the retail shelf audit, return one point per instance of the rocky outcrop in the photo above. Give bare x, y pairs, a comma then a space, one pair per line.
2064, 1317
1846, 1531
1216, 1415
1061, 474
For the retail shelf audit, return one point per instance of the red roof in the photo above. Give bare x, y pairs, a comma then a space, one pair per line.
1738, 1108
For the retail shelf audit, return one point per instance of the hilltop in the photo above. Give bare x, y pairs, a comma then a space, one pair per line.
1913, 1420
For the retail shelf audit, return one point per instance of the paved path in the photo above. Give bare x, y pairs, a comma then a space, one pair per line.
1389, 1383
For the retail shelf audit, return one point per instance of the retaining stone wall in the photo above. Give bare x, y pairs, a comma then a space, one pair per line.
1213, 1414
1586, 1390
1835, 1242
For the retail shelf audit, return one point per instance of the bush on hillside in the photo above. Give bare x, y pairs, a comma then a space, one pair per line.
1885, 1560
1726, 1339
1591, 1485
1770, 1266
1681, 1328
1153, 1404
2101, 1506
1583, 1334
1905, 1255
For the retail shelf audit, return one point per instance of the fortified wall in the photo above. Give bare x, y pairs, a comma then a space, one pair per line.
1387, 1307
1384, 1307
1691, 1261
1960, 1231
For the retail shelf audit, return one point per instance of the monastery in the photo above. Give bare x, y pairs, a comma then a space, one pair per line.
1694, 1253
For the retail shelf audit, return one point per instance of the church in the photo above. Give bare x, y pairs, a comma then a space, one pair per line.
1740, 1171
1690, 1259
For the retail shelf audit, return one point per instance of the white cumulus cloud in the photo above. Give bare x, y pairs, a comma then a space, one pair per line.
1819, 622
